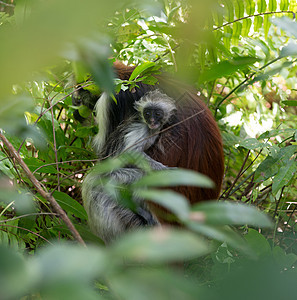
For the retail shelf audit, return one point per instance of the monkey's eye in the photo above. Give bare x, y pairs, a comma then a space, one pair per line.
158, 114
146, 113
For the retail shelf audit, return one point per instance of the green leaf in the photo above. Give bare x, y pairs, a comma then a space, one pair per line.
22, 200
261, 6
239, 8
236, 32
246, 26
226, 68
35, 163
160, 245
258, 243
80, 72
114, 163
148, 283
250, 7
84, 111
275, 132
227, 36
290, 102
128, 32
173, 177
284, 5
266, 25
70, 205
228, 213
270, 166
284, 176
272, 6
251, 144
141, 69
15, 277
219, 233
283, 260
230, 10
174, 202
258, 23
83, 132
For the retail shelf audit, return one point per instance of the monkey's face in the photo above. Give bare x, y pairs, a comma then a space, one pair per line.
153, 117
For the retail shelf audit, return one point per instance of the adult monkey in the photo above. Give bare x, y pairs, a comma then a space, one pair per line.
194, 142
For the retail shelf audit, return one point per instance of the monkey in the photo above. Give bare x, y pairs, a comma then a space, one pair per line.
107, 217
192, 140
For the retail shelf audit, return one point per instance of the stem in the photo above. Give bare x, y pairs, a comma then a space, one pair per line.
243, 82
41, 190
55, 145
257, 15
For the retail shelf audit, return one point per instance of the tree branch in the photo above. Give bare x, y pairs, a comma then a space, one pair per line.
41, 190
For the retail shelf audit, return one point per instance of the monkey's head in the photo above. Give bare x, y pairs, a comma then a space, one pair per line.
156, 109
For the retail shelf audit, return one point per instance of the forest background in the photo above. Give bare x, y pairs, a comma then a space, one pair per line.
241, 57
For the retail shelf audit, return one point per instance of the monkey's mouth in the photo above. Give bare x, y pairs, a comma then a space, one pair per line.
153, 126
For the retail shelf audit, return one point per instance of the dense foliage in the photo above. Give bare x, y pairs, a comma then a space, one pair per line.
241, 56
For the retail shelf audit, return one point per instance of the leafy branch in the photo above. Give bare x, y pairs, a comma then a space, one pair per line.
257, 15
13, 152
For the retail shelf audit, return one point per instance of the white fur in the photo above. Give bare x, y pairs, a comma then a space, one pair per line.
102, 121
138, 137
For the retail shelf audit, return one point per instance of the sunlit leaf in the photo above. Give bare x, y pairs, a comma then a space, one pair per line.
246, 25
272, 6
226, 68
284, 176
261, 6
284, 4
258, 21
250, 7
141, 69
251, 143
239, 8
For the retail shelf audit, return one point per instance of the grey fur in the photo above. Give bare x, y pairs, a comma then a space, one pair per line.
107, 218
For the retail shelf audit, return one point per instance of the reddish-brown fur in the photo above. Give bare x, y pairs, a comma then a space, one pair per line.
193, 144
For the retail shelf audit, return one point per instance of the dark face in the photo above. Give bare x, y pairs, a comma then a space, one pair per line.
153, 117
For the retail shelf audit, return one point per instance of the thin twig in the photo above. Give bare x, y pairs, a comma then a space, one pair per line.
18, 227
41, 190
65, 162
55, 146
256, 15
238, 175
27, 215
243, 82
